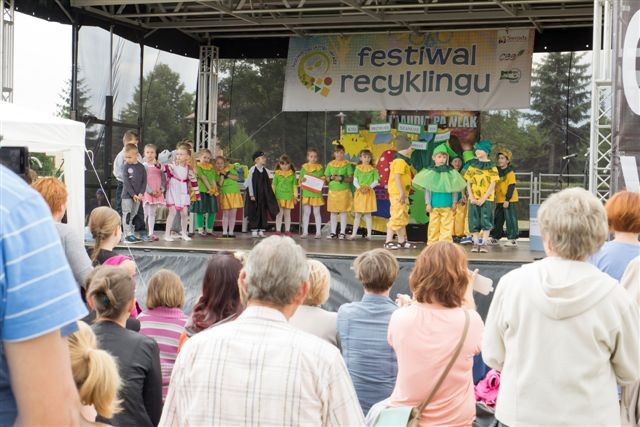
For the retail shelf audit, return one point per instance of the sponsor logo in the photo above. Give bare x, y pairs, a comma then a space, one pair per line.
313, 69
511, 56
510, 39
512, 76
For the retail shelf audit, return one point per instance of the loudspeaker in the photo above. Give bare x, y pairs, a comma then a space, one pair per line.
417, 232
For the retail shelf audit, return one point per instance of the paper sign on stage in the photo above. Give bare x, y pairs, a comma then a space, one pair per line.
312, 183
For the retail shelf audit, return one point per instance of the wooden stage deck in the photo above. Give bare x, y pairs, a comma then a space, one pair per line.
334, 248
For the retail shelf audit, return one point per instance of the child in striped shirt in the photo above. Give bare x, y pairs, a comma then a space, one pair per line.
164, 320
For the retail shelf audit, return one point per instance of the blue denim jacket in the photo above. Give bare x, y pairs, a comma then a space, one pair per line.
362, 328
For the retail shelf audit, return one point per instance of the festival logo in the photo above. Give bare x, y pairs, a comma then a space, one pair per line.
313, 71
512, 76
508, 39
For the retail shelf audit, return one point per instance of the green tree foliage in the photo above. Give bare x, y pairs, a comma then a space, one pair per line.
242, 146
165, 107
560, 101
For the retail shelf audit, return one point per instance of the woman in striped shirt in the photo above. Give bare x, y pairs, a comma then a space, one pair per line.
164, 320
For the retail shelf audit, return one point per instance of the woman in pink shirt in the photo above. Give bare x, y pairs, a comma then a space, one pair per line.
424, 336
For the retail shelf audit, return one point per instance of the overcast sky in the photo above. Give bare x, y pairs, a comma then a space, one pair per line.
43, 64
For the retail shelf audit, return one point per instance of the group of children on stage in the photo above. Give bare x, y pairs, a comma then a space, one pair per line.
462, 198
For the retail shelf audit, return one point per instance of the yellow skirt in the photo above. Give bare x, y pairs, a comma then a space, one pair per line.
231, 201
399, 214
313, 201
365, 203
287, 204
339, 201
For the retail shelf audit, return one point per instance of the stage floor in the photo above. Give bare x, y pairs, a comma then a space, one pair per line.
334, 248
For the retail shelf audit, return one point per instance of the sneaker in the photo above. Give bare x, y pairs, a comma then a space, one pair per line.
332, 236
231, 236
261, 233
154, 238
254, 234
224, 236
304, 236
511, 244
202, 233
466, 240
318, 236
475, 248
167, 237
185, 237
146, 238
341, 236
484, 249
351, 237
493, 242
131, 239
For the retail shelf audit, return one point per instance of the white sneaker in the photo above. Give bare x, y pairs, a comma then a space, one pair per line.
261, 233
511, 244
185, 237
254, 234
167, 237
493, 242
318, 236
304, 236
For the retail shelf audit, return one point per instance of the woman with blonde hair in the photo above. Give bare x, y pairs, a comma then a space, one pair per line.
310, 317
104, 224
95, 373
562, 332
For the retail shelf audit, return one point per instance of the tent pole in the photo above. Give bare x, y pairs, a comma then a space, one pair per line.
73, 95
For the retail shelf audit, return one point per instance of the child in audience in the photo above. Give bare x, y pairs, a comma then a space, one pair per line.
460, 226
230, 198
104, 224
398, 187
310, 317
134, 185
441, 184
285, 189
339, 172
481, 176
207, 205
164, 320
179, 186
362, 329
95, 373
260, 199
311, 200
365, 180
506, 201
154, 194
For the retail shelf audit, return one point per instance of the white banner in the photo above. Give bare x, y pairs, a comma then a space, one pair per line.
474, 70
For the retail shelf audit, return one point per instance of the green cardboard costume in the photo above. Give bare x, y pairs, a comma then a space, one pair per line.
506, 191
480, 175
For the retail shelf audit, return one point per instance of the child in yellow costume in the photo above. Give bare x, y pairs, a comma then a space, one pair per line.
365, 179
506, 202
311, 200
481, 177
441, 184
398, 187
460, 226
339, 172
286, 191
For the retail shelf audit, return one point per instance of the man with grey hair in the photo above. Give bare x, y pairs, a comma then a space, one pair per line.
259, 370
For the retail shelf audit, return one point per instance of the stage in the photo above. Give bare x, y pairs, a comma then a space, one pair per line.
188, 259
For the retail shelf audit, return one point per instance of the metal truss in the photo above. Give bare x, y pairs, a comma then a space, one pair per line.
7, 14
207, 113
601, 147
205, 20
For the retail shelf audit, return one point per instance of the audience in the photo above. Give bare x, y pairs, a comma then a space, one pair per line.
362, 329
111, 292
55, 194
623, 216
631, 280
425, 335
104, 224
95, 373
40, 302
164, 320
310, 317
220, 299
274, 374
561, 331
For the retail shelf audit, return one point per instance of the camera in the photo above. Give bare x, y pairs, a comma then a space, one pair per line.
16, 159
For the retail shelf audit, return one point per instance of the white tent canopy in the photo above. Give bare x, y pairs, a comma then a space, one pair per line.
39, 132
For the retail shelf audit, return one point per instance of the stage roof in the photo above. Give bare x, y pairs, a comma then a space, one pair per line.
257, 28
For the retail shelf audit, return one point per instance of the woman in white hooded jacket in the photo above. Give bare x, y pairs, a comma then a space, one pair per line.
562, 332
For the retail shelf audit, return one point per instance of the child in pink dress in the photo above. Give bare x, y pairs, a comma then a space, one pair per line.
153, 197
179, 188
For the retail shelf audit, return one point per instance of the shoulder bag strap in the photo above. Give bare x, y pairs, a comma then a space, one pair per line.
456, 353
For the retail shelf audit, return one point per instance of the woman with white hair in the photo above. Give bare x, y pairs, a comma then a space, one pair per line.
562, 332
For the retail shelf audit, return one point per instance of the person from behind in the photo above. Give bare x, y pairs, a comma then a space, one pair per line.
578, 325
164, 320
104, 224
362, 329
220, 301
310, 317
40, 304
623, 216
54, 192
95, 373
274, 374
425, 336
112, 293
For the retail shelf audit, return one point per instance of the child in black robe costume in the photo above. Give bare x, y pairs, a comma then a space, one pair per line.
259, 197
